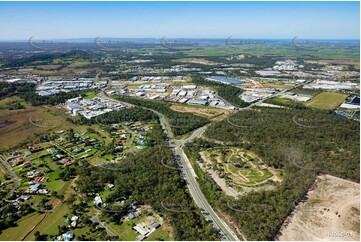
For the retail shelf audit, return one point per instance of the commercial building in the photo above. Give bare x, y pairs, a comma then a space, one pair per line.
225, 80
198, 102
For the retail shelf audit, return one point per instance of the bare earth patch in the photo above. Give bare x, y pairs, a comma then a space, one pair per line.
211, 113
237, 171
197, 61
331, 212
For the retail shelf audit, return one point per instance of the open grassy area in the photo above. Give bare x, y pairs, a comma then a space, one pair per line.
90, 95
327, 100
79, 63
159, 235
48, 67
3, 172
41, 72
50, 224
24, 225
19, 125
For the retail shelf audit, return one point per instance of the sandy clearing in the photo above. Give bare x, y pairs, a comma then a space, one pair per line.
242, 181
211, 113
196, 61
334, 213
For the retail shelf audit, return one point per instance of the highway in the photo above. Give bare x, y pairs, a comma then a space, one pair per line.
189, 173
195, 190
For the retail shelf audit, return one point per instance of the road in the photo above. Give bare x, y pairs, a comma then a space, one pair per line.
190, 176
195, 190
189, 173
16, 180
95, 219
193, 185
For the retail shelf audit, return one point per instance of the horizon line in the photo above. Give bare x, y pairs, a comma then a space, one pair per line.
159, 38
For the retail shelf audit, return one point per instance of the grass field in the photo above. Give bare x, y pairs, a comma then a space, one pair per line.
159, 235
24, 131
48, 67
79, 63
2, 173
25, 223
90, 95
50, 224
326, 100
20, 126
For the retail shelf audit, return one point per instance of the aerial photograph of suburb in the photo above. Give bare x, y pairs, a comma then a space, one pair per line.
179, 120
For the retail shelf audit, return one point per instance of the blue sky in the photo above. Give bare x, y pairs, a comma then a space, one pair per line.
52, 20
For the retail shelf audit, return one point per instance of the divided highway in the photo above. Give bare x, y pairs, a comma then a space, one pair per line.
189, 174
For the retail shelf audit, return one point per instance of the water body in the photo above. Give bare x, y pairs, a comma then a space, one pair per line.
224, 79
340, 115
2, 125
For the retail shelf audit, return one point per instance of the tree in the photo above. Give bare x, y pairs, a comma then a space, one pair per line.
71, 199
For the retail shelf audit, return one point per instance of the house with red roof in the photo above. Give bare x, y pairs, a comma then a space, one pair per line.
37, 179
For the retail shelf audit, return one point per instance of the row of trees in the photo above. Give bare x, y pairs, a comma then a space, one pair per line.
118, 116
181, 123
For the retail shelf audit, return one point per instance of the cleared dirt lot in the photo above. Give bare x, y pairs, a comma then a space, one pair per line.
197, 61
211, 113
331, 212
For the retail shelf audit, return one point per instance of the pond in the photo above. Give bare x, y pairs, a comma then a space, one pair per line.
2, 125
